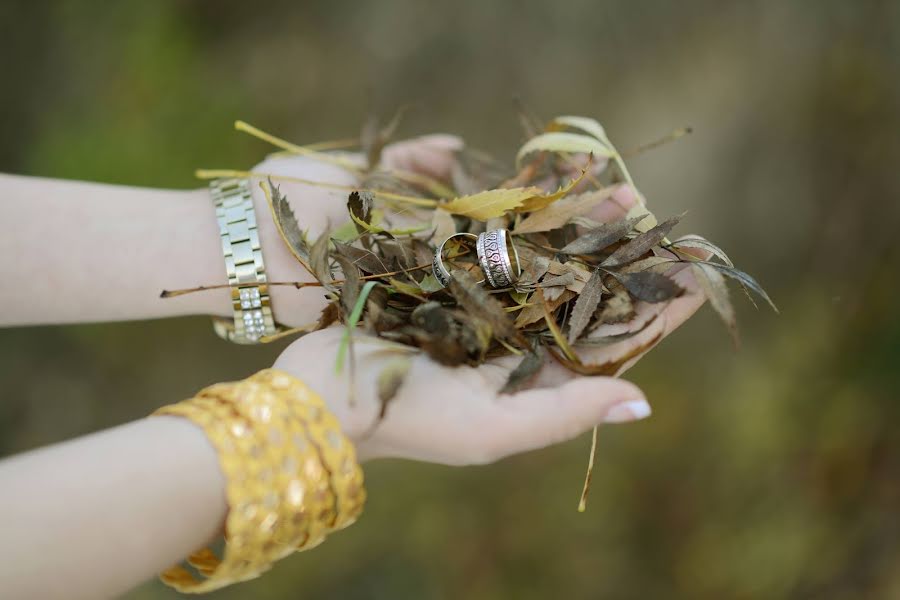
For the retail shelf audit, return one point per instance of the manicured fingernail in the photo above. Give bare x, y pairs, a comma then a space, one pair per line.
633, 410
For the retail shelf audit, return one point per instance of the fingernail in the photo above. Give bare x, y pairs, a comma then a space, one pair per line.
633, 410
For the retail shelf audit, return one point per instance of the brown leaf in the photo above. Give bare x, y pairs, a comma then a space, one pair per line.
715, 289
536, 269
351, 286
374, 137
474, 170
618, 308
608, 368
534, 312
525, 371
449, 337
318, 261
649, 286
602, 237
563, 280
366, 260
390, 380
744, 279
563, 211
640, 245
360, 206
329, 316
477, 302
287, 225
585, 306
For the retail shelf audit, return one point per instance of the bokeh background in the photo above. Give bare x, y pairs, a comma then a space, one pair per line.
773, 472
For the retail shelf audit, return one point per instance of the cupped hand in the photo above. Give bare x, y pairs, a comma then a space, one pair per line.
456, 415
320, 208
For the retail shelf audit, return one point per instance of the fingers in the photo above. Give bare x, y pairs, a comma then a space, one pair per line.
431, 155
541, 417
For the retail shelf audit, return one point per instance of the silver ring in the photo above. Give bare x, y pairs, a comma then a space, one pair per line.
437, 263
493, 248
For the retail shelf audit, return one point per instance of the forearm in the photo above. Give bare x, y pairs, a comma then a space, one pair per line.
75, 251
95, 516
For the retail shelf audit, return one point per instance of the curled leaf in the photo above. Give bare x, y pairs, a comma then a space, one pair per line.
360, 206
558, 141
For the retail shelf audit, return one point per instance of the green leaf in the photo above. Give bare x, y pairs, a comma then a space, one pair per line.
351, 324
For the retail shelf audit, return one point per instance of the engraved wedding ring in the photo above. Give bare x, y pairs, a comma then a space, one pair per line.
493, 248
496, 254
437, 264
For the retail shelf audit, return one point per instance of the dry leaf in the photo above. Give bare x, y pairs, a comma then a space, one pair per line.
649, 286
390, 380
557, 141
373, 137
542, 201
534, 270
712, 282
360, 205
366, 260
318, 261
477, 302
352, 284
601, 238
287, 225
585, 306
618, 308
642, 244
490, 204
525, 371
699, 243
562, 212
585, 124
743, 278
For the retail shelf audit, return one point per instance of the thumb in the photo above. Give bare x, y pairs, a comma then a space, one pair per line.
432, 155
540, 417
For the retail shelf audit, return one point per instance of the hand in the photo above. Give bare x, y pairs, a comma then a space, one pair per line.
454, 415
318, 208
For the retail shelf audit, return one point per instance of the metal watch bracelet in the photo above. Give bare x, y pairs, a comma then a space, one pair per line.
244, 264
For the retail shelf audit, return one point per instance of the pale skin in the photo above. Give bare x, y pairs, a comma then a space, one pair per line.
107, 511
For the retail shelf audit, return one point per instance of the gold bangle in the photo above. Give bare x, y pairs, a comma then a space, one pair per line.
282, 492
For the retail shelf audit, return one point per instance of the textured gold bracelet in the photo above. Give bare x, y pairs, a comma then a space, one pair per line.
285, 492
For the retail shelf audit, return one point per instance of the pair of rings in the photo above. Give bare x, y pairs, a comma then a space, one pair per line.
496, 254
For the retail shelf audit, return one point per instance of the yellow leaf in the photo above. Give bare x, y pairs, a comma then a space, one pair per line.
560, 141
543, 201
491, 203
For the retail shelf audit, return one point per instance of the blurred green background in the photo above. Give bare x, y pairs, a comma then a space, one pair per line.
769, 473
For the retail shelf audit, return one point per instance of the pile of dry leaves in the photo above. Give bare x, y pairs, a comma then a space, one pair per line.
576, 274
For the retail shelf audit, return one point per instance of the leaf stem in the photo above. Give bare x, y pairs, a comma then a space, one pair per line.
215, 173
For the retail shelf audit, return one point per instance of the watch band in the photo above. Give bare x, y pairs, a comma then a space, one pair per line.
244, 265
